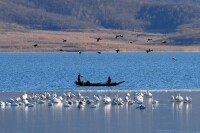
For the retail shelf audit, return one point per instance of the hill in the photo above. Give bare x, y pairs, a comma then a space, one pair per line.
149, 16
174, 21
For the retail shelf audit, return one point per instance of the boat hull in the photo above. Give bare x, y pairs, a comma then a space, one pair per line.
97, 84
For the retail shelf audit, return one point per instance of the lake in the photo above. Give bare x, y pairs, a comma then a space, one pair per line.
139, 70
56, 72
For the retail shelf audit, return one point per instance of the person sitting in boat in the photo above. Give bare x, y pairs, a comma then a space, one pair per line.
109, 80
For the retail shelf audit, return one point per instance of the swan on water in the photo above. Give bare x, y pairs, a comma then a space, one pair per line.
115, 100
128, 94
10, 100
131, 102
141, 106
26, 102
50, 103
155, 102
107, 100
96, 98
89, 101
81, 104
2, 104
7, 104
148, 94
66, 104
55, 100
18, 99
172, 98
40, 101
178, 97
139, 99
188, 99
24, 96
20, 103
75, 101
127, 99
60, 98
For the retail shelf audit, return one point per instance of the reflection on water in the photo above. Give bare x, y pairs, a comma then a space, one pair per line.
107, 109
179, 106
165, 117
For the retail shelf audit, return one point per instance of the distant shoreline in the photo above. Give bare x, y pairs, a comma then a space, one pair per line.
59, 41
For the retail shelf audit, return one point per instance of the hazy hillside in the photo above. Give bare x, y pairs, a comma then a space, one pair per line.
150, 15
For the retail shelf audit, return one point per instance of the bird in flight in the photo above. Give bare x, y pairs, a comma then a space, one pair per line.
64, 40
149, 39
98, 39
119, 36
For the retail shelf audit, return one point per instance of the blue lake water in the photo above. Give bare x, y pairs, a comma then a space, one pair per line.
139, 70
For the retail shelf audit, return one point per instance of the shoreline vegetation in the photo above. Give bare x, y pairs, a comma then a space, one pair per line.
91, 40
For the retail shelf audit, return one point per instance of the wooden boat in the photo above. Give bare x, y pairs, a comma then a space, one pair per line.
97, 84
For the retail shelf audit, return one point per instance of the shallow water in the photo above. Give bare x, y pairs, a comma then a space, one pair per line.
164, 117
58, 71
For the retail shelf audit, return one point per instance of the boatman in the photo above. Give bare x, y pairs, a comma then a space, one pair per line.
109, 80
79, 77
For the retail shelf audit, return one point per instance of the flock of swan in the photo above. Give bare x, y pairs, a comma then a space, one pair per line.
69, 99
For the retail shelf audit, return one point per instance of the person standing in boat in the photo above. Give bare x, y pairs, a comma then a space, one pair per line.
79, 77
109, 80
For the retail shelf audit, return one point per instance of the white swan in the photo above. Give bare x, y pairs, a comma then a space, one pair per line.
40, 101
10, 100
131, 102
89, 101
26, 102
188, 99
172, 98
141, 106
139, 99
127, 99
96, 98
178, 97
148, 94
128, 94
7, 104
55, 100
2, 104
107, 100
66, 104
24, 96
50, 103
81, 104
155, 102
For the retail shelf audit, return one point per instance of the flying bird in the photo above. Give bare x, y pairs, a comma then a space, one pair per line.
98, 39
35, 45
149, 39
64, 40
119, 36
173, 58
164, 41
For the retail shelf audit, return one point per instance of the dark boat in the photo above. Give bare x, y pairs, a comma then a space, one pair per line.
97, 84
